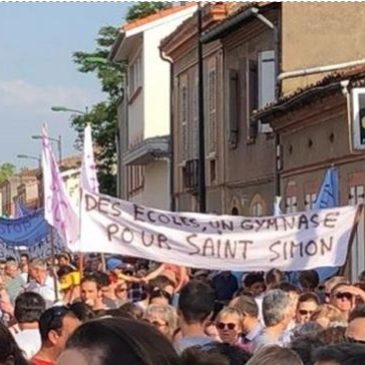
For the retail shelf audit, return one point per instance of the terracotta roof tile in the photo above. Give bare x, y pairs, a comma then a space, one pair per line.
161, 14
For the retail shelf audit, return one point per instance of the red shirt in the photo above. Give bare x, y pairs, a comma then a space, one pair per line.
38, 361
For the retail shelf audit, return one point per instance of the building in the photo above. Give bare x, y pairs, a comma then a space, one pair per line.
144, 109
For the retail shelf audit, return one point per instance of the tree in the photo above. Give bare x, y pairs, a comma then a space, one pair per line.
102, 116
6, 170
144, 8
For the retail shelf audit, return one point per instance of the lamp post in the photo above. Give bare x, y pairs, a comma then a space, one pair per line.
59, 145
64, 109
29, 157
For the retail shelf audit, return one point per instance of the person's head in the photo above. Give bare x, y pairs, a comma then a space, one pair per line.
305, 329
229, 324
160, 297
196, 302
270, 355
307, 305
293, 292
10, 353
11, 269
276, 308
342, 298
254, 283
340, 354
56, 325
68, 277
105, 284
234, 354
132, 309
24, 259
29, 307
330, 284
196, 356
355, 331
162, 282
118, 340
163, 317
38, 270
82, 311
2, 267
309, 280
64, 259
121, 290
273, 278
328, 315
304, 347
332, 335
249, 309
90, 291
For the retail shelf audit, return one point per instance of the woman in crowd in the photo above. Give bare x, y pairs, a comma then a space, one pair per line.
10, 353
160, 297
121, 292
163, 317
328, 315
229, 325
119, 341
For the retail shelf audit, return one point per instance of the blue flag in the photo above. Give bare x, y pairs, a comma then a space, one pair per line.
328, 197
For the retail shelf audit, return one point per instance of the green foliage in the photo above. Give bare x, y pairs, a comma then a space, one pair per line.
6, 170
144, 8
102, 116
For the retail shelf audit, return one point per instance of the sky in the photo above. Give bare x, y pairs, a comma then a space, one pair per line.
37, 41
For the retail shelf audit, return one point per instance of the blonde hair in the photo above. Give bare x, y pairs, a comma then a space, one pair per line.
166, 313
329, 312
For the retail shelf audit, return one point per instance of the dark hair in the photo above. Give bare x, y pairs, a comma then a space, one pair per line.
158, 293
332, 335
64, 270
309, 279
24, 254
343, 353
102, 278
309, 297
252, 278
234, 354
269, 355
65, 255
195, 356
287, 287
82, 311
91, 277
304, 347
52, 319
274, 277
357, 312
136, 342
132, 309
362, 276
29, 307
9, 348
247, 304
118, 312
161, 282
196, 301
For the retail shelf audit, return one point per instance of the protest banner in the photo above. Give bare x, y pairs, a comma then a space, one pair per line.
298, 241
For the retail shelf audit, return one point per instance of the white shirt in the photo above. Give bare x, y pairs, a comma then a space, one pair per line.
29, 341
46, 290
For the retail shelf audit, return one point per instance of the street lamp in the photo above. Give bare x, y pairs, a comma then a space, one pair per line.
64, 109
31, 158
59, 144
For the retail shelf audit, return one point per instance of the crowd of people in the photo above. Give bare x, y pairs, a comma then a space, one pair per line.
135, 312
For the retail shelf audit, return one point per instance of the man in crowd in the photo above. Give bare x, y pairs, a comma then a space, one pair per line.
41, 282
307, 305
277, 314
14, 281
91, 294
196, 305
355, 331
56, 325
28, 310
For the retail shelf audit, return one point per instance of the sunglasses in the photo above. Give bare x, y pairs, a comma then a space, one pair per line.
303, 312
348, 296
222, 326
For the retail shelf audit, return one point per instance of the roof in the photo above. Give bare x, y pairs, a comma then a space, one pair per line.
156, 16
234, 19
330, 83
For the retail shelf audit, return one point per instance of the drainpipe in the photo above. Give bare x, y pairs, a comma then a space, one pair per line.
275, 30
170, 162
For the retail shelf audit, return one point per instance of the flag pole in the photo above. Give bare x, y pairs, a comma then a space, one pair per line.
54, 265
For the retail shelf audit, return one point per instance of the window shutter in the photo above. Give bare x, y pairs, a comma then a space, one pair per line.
233, 108
253, 96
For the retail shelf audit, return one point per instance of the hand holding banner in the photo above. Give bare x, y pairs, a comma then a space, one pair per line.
298, 241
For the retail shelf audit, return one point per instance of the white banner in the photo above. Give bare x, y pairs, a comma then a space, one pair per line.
298, 241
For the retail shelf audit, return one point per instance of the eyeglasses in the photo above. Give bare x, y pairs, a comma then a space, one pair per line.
348, 296
303, 312
353, 340
222, 326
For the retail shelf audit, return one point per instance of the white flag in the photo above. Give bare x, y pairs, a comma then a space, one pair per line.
89, 180
59, 211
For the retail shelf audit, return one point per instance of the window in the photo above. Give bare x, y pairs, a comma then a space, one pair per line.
358, 248
194, 145
212, 171
266, 83
309, 201
212, 106
234, 107
135, 179
291, 204
135, 75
